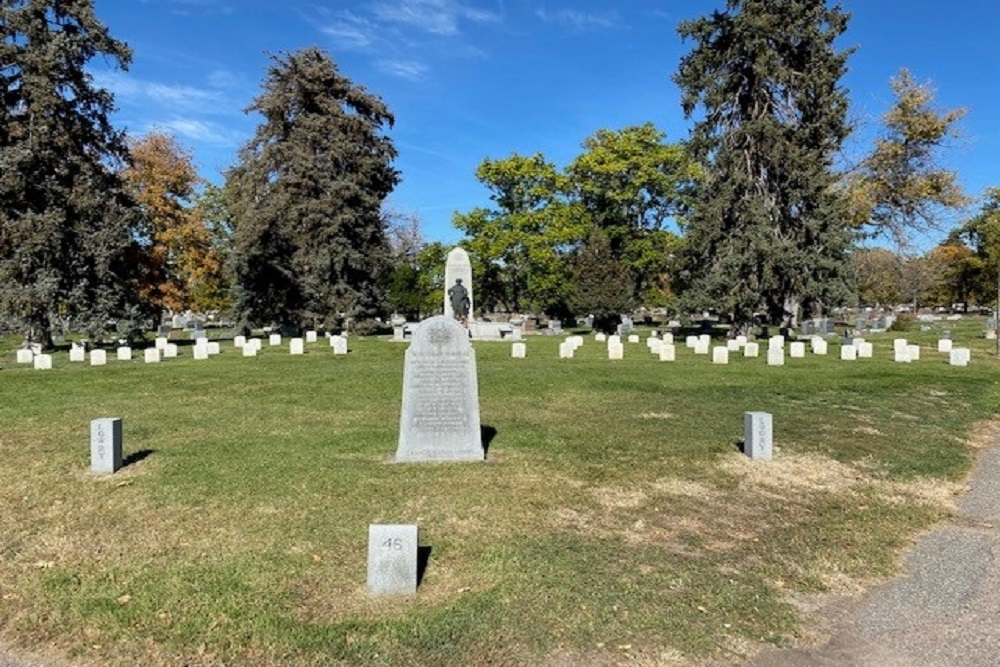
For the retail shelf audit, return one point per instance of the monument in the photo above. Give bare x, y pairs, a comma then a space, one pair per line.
439, 420
457, 268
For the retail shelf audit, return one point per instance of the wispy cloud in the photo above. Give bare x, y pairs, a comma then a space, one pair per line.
189, 7
199, 131
438, 17
349, 31
411, 70
173, 95
579, 20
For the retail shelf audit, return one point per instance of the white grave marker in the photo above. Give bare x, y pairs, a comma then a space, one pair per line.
105, 445
170, 351
720, 355
848, 353
77, 353
43, 362
25, 356
296, 346
751, 350
757, 435
959, 356
124, 353
392, 559
518, 351
944, 345
797, 350
152, 355
274, 340
311, 336
668, 352
98, 358
775, 356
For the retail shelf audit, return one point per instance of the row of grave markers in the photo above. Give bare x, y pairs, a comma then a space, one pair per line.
164, 349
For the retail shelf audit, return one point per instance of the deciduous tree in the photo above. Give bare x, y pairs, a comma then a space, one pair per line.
65, 221
767, 229
310, 243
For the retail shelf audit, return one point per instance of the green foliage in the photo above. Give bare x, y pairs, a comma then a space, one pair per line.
982, 236
66, 222
603, 286
766, 232
899, 188
310, 242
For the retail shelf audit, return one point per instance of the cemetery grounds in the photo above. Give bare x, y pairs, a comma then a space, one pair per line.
614, 522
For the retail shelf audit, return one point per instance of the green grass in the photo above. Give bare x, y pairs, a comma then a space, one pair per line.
614, 519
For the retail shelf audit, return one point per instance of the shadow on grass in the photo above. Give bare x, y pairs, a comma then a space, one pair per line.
487, 433
423, 557
135, 457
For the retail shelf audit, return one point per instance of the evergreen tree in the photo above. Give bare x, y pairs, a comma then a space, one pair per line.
65, 220
768, 230
309, 241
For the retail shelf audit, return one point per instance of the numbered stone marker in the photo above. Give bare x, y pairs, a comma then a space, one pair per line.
751, 349
98, 357
239, 341
518, 351
797, 350
757, 435
105, 445
296, 346
668, 352
720, 355
124, 353
274, 340
392, 559
310, 336
439, 420
25, 356
944, 345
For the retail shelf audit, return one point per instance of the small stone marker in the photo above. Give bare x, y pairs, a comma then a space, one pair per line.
797, 350
776, 341
161, 342
899, 344
170, 351
98, 358
77, 353
733, 345
655, 345
600, 337
751, 350
274, 340
339, 344
690, 341
296, 346
720, 355
310, 336
848, 353
25, 356
439, 420
614, 339
518, 351
577, 341
741, 340
702, 346
200, 352
775, 356
914, 352
865, 350
249, 350
124, 353
633, 338
668, 352
667, 338
214, 348
392, 559
959, 356
152, 355
901, 354
819, 346
944, 345
616, 351
105, 445
566, 350
757, 435
43, 362
239, 341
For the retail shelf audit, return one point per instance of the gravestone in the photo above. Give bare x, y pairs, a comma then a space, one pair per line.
43, 362
124, 353
77, 353
392, 559
519, 351
899, 344
702, 345
720, 355
105, 445
296, 346
668, 352
161, 342
98, 358
274, 340
566, 350
249, 350
439, 420
865, 350
945, 345
819, 346
311, 336
200, 352
775, 356
848, 353
733, 345
633, 338
614, 339
616, 351
667, 338
655, 345
25, 356
170, 351
959, 356
757, 435
600, 337
214, 348
239, 341
690, 341
914, 352
797, 350
458, 267
751, 350
339, 344
902, 355
516, 328
152, 355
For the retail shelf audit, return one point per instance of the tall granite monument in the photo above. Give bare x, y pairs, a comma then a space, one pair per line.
458, 267
439, 420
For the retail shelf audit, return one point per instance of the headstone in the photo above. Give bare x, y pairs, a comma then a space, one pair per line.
600, 337
797, 350
668, 352
616, 351
720, 355
776, 341
161, 342
702, 346
339, 343
178, 322
576, 341
991, 334
944, 345
458, 267
741, 340
249, 350
655, 345
959, 356
399, 332
848, 353
163, 330
865, 350
200, 352
899, 344
77, 353
170, 351
239, 341
198, 334
614, 339
751, 350
274, 340
105, 445
152, 355
914, 352
214, 348
733, 345
439, 420
690, 341
25, 356
392, 559
311, 336
566, 350
757, 435
124, 353
296, 346
98, 358
819, 346
901, 355
518, 351
775, 356
43, 362
667, 338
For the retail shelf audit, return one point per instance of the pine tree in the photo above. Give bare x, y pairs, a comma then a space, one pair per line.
309, 242
768, 229
65, 220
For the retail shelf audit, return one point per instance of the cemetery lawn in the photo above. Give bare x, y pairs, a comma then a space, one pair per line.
614, 522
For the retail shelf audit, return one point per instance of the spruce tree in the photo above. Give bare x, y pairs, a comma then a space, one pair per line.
65, 221
768, 230
310, 242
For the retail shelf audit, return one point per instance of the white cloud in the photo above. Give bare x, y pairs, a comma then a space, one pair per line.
349, 31
411, 70
579, 20
438, 17
130, 88
198, 130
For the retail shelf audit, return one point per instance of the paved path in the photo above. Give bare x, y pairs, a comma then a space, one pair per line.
944, 613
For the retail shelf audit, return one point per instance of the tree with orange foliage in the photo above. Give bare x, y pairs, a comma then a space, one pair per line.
181, 268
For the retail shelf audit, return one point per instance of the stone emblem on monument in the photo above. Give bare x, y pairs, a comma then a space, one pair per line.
439, 420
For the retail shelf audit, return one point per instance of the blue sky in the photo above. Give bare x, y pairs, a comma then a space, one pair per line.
469, 79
